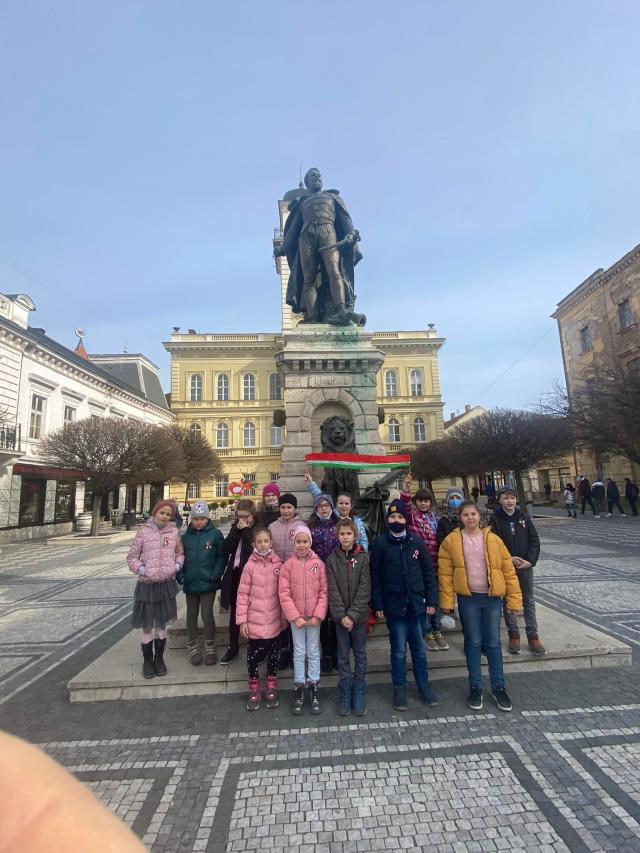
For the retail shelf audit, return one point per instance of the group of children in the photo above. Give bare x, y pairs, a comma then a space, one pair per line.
307, 588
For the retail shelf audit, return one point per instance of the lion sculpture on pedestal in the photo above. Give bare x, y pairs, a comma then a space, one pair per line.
337, 435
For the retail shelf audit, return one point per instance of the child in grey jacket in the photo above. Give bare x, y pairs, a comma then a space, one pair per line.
349, 592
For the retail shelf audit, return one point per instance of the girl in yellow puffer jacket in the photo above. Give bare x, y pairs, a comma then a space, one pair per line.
475, 566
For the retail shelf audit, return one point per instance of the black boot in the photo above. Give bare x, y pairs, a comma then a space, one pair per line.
158, 661
148, 669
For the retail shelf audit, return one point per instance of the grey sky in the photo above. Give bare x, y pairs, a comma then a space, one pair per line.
487, 151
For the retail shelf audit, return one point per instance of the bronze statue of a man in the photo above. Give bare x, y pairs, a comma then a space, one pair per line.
320, 244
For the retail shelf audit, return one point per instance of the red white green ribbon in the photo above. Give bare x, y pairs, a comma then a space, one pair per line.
357, 460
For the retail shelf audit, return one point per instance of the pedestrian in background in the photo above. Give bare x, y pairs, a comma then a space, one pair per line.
570, 500
475, 566
584, 492
547, 492
349, 587
613, 497
631, 492
598, 494
201, 575
155, 555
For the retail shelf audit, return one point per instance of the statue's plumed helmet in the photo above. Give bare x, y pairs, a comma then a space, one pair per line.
308, 174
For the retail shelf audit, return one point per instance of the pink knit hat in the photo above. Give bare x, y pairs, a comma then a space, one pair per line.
165, 502
302, 528
271, 489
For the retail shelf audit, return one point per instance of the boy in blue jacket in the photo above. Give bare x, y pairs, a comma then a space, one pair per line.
404, 591
201, 574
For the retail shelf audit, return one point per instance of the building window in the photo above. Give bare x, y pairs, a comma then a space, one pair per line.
415, 378
69, 415
248, 387
275, 436
36, 419
32, 494
222, 387
250, 477
193, 491
196, 429
195, 387
394, 431
274, 476
624, 314
275, 387
585, 339
222, 435
390, 384
419, 432
222, 486
65, 494
249, 434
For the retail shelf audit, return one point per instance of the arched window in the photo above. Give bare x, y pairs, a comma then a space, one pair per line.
276, 434
195, 387
419, 432
248, 387
222, 387
394, 431
196, 429
415, 380
222, 435
249, 434
391, 384
275, 387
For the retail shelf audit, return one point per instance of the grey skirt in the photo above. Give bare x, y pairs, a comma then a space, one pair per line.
154, 604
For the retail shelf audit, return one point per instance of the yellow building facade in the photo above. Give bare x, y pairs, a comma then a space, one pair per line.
227, 387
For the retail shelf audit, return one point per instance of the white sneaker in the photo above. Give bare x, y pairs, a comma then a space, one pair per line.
596, 516
609, 514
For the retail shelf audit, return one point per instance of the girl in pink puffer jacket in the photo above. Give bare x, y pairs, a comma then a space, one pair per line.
304, 599
259, 616
155, 556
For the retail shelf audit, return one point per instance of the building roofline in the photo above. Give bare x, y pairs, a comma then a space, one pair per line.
593, 282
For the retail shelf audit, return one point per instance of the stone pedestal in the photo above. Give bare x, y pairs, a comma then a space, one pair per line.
326, 370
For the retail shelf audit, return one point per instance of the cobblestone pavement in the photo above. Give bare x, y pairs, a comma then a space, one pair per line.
562, 772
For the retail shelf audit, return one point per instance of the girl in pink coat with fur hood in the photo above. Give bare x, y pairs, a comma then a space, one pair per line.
304, 599
259, 616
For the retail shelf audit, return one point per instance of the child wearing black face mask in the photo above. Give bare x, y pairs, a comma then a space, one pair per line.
404, 592
450, 518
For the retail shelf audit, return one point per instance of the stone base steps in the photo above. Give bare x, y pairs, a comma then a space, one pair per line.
117, 674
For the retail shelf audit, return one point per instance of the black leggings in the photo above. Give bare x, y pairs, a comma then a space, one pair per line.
259, 650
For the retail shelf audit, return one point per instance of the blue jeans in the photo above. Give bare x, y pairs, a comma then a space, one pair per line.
306, 644
480, 617
402, 630
434, 623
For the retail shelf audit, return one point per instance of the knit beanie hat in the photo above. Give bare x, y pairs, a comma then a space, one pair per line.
507, 490
302, 528
200, 510
322, 497
454, 493
271, 489
288, 498
165, 502
399, 507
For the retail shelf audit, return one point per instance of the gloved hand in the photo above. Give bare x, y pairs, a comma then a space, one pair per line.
140, 569
177, 567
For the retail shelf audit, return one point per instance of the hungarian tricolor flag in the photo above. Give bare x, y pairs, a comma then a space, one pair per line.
357, 461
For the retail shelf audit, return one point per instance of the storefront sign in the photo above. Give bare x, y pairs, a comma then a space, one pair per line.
24, 470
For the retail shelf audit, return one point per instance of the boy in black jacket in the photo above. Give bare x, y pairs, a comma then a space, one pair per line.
404, 591
518, 533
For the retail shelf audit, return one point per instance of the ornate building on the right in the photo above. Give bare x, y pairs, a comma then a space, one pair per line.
598, 323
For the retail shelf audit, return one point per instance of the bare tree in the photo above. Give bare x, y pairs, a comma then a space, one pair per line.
105, 452
199, 458
516, 440
430, 461
603, 410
